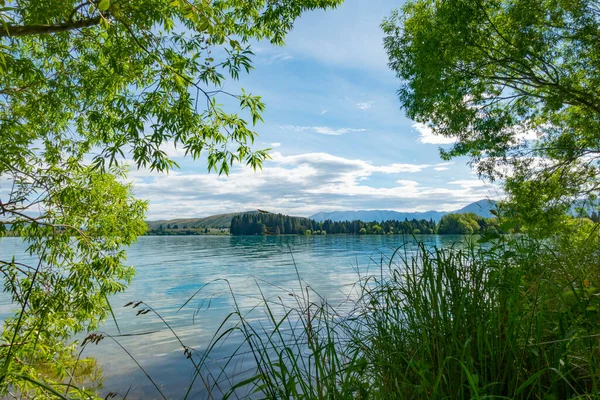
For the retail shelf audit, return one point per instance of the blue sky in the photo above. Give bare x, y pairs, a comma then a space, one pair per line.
340, 140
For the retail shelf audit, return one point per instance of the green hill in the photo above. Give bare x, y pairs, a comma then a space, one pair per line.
214, 221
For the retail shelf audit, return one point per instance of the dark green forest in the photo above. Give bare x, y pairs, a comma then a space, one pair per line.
279, 224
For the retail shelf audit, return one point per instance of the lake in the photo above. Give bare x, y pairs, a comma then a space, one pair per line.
171, 270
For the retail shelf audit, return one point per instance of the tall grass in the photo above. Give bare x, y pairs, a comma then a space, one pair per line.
506, 321
468, 324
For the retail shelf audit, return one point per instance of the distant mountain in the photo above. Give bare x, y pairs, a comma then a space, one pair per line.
481, 208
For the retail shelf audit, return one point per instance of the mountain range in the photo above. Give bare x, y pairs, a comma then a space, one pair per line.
481, 208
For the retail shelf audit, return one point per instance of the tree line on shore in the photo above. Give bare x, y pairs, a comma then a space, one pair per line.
279, 224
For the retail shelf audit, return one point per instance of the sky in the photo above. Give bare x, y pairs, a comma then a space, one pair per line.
339, 138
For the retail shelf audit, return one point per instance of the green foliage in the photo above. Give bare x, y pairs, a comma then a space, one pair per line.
76, 242
85, 86
463, 224
519, 317
470, 223
490, 73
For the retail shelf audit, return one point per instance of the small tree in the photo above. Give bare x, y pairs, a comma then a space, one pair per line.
512, 84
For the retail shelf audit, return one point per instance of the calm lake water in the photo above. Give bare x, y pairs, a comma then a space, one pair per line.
170, 270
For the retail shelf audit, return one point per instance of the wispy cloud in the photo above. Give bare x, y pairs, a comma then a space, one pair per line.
274, 145
426, 135
279, 58
324, 111
365, 105
323, 130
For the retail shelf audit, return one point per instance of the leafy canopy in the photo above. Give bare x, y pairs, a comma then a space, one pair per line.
84, 86
129, 76
495, 73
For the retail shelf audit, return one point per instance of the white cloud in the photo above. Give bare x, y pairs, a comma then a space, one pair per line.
172, 150
523, 134
398, 168
427, 136
505, 167
407, 184
469, 183
303, 184
323, 130
443, 166
324, 111
365, 105
274, 145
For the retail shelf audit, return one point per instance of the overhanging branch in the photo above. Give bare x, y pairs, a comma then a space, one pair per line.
26, 30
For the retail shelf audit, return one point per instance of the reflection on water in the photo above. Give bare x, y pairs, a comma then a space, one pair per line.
171, 270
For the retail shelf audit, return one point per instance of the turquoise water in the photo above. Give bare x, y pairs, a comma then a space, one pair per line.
170, 270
